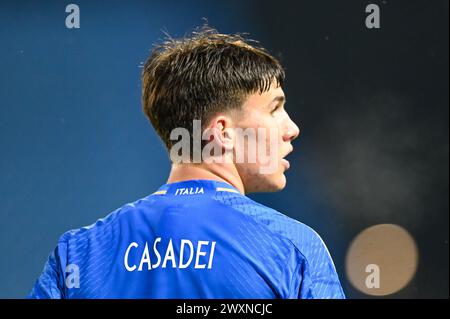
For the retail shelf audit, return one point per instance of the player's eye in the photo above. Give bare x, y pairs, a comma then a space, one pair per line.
276, 108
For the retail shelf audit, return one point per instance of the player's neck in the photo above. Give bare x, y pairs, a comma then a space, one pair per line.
184, 172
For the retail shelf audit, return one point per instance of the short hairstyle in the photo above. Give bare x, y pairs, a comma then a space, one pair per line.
202, 74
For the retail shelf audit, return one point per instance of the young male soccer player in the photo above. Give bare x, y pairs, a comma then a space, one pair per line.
199, 236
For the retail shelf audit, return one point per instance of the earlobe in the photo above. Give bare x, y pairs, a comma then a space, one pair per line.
228, 138
223, 133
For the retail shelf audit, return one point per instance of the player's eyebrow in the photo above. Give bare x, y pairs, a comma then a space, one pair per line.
278, 99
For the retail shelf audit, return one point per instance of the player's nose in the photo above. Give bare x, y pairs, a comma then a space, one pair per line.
292, 131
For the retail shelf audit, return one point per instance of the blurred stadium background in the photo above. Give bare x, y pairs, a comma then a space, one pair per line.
372, 105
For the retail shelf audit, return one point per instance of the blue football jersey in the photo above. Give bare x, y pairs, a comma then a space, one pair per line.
192, 239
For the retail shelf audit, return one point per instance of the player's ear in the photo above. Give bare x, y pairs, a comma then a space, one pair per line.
222, 132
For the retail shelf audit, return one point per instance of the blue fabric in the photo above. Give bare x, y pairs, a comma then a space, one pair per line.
192, 239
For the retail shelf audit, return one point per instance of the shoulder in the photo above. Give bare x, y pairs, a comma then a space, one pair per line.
320, 278
302, 236
305, 239
106, 224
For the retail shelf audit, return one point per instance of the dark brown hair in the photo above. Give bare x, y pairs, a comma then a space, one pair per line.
196, 77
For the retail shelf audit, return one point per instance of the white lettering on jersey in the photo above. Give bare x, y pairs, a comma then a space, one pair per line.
203, 251
189, 191
132, 245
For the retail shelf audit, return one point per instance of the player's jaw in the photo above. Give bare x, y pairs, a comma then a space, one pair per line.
277, 181
265, 176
